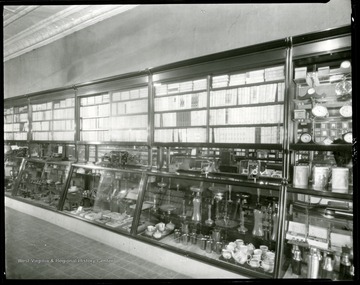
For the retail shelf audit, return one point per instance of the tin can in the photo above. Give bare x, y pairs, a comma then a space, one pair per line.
296, 262
185, 239
340, 180
301, 176
203, 243
313, 265
320, 177
177, 235
209, 245
218, 247
193, 239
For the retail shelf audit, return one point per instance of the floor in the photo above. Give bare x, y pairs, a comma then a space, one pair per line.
36, 249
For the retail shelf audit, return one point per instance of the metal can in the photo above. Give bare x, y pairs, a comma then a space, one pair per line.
185, 239
296, 262
313, 266
209, 245
177, 235
218, 247
193, 239
203, 243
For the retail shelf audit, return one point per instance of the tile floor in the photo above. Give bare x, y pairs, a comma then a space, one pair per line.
36, 249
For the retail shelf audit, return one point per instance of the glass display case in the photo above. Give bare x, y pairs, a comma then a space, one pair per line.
319, 204
102, 195
41, 182
242, 159
230, 223
319, 235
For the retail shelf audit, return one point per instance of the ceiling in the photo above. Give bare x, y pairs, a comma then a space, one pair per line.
29, 27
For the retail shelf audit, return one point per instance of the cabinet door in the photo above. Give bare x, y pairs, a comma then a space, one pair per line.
231, 224
104, 196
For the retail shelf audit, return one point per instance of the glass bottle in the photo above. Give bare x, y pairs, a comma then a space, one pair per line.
258, 227
196, 217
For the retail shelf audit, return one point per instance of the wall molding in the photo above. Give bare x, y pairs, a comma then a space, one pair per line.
61, 24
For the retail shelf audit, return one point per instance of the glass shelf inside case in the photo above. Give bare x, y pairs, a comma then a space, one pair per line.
103, 196
231, 225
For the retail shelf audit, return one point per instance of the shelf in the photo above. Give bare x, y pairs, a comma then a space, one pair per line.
127, 115
317, 147
247, 105
180, 93
246, 125
131, 143
306, 105
129, 100
249, 84
95, 104
322, 193
222, 145
180, 110
179, 127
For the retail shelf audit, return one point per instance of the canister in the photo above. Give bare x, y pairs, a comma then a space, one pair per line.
218, 247
185, 239
203, 243
209, 245
296, 262
320, 177
301, 176
177, 235
340, 180
193, 238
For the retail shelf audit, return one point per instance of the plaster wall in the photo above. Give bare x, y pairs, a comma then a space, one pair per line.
154, 35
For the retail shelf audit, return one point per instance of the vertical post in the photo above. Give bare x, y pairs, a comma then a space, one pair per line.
151, 115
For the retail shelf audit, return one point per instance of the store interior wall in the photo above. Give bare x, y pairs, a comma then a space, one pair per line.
155, 35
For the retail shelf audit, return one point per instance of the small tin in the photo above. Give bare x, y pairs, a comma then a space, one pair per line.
185, 239
209, 245
218, 247
193, 239
203, 243
177, 235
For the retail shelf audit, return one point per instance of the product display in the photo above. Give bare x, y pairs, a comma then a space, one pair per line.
234, 162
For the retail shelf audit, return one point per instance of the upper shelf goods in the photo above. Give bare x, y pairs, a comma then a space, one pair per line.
247, 107
180, 111
242, 107
323, 104
16, 123
54, 120
120, 115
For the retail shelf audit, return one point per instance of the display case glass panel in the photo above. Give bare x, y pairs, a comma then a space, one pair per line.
13, 158
41, 182
232, 224
104, 196
318, 235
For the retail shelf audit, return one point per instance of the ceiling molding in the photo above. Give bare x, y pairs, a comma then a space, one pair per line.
61, 24
17, 13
